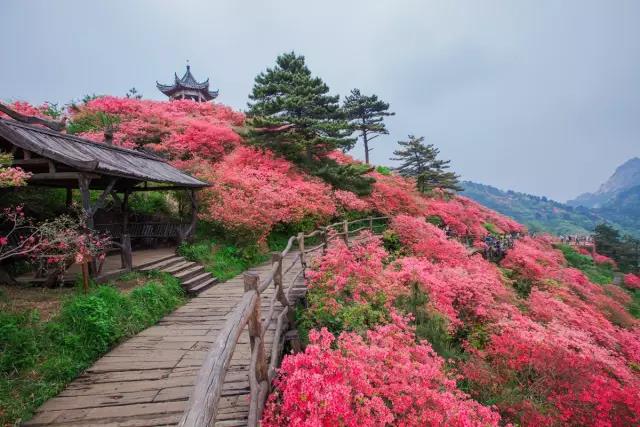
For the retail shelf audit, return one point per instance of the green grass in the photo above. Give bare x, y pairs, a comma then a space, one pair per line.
224, 261
597, 273
38, 359
634, 307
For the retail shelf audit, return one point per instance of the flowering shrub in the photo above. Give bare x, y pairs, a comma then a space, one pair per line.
252, 191
179, 129
632, 281
11, 176
57, 243
348, 201
468, 218
385, 379
393, 194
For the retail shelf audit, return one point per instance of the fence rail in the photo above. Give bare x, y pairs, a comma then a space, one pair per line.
202, 408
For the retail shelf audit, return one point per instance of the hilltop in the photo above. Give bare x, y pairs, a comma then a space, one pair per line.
625, 178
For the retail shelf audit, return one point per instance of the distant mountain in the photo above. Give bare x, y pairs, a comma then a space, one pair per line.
537, 213
626, 177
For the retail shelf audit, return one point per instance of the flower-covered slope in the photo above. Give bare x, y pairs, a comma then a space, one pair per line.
535, 342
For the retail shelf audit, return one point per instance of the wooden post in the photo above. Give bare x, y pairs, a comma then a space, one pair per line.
124, 207
255, 328
345, 232
371, 224
325, 240
194, 213
126, 256
85, 276
301, 248
83, 184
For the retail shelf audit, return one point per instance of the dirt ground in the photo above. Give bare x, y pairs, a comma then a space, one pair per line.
48, 301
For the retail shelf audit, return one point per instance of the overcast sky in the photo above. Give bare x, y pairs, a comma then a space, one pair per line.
535, 96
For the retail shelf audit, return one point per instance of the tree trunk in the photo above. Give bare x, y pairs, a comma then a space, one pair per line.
365, 139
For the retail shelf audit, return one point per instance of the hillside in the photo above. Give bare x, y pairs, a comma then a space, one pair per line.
537, 213
621, 211
625, 177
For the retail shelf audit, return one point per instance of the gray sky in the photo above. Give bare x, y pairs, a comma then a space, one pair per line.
535, 96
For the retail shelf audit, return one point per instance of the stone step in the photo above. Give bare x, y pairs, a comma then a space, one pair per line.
164, 263
203, 286
187, 274
195, 280
176, 268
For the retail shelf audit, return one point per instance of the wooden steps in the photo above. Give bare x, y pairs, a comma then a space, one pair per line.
192, 275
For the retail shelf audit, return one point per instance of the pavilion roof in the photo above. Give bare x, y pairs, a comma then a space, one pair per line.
187, 82
96, 158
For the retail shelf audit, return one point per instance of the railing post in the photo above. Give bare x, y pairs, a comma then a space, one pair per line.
371, 224
301, 248
325, 240
251, 281
282, 297
345, 232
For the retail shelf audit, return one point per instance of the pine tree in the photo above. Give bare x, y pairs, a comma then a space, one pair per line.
366, 115
292, 112
421, 162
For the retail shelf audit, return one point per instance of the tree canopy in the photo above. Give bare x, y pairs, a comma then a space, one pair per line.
292, 112
420, 161
366, 116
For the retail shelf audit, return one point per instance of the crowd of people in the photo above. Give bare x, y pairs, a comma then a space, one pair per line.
497, 246
577, 239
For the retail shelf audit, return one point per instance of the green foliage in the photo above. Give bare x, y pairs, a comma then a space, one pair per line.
435, 220
38, 359
341, 316
366, 116
92, 122
421, 162
625, 250
150, 203
349, 177
430, 325
597, 273
383, 170
289, 95
222, 260
491, 228
634, 306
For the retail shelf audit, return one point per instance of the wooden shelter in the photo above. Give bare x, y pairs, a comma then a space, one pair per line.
64, 161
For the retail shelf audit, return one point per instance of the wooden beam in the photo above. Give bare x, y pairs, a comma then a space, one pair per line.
28, 162
60, 176
159, 188
32, 120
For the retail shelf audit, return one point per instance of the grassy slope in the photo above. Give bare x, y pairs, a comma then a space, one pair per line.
37, 359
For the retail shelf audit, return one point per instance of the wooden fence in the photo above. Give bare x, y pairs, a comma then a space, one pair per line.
203, 404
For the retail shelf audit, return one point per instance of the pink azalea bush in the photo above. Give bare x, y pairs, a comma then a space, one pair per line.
632, 281
383, 379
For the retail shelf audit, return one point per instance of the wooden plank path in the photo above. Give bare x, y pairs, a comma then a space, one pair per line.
147, 380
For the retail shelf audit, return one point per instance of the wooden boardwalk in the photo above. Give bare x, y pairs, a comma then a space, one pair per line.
147, 380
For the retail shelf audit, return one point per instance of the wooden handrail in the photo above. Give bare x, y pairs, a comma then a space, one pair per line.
203, 404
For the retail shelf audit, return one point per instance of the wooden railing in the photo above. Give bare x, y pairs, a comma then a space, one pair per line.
203, 404
158, 230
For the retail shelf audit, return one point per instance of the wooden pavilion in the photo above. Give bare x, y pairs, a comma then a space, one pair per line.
60, 160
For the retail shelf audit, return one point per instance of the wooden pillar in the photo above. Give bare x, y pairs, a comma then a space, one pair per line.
371, 224
125, 211
194, 213
126, 256
83, 184
325, 240
69, 199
